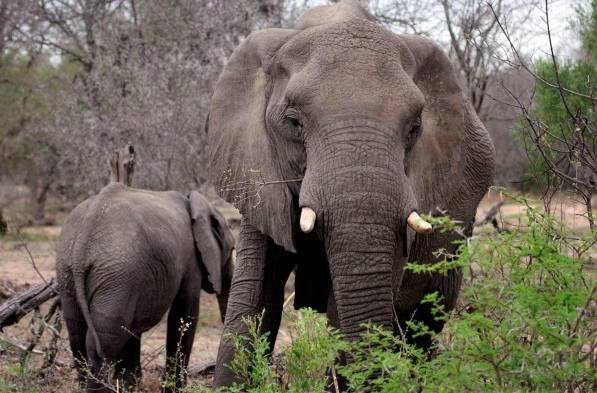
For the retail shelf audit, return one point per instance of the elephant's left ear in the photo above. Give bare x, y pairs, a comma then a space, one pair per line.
244, 166
451, 165
213, 238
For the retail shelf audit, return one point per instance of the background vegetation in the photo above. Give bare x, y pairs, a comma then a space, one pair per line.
79, 78
558, 129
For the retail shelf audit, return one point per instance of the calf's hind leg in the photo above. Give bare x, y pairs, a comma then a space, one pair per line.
129, 368
100, 372
77, 331
109, 323
182, 324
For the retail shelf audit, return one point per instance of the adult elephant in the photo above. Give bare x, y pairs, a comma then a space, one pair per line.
124, 258
329, 138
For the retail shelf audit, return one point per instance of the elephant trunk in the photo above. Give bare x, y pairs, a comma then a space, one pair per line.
361, 258
361, 208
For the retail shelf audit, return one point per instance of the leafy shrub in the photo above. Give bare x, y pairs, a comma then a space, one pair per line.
251, 363
530, 303
306, 361
313, 351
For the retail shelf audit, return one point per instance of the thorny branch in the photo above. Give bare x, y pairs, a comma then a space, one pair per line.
23, 243
522, 63
568, 153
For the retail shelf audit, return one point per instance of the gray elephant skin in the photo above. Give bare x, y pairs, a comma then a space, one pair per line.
342, 118
125, 257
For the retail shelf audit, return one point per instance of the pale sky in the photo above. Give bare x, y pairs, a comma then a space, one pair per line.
565, 39
561, 12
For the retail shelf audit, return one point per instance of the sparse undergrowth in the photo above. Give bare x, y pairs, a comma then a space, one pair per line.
525, 322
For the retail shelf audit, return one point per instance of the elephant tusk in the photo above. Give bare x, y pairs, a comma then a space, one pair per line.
418, 224
307, 219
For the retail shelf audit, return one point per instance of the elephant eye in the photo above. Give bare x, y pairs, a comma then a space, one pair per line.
292, 122
414, 132
416, 127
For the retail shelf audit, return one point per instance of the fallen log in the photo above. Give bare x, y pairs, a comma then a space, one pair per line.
19, 305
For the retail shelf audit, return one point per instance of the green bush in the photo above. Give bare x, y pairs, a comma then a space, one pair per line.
529, 305
251, 363
525, 322
313, 351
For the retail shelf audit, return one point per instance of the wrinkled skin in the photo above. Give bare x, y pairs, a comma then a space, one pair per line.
366, 127
127, 255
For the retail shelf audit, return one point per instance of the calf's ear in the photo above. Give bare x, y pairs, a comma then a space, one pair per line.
212, 239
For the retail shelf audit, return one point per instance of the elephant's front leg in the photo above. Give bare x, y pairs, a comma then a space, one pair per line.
260, 274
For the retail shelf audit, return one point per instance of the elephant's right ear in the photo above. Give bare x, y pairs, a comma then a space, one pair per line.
242, 161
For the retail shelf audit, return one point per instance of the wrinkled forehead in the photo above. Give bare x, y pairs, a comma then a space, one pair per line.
354, 44
346, 59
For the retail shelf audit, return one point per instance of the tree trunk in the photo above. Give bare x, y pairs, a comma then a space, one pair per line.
122, 165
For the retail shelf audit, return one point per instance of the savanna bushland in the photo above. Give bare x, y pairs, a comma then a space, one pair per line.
81, 78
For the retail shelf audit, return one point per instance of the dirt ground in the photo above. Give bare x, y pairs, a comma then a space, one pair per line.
565, 207
38, 244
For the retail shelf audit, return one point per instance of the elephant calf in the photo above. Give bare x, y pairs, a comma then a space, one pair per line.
127, 255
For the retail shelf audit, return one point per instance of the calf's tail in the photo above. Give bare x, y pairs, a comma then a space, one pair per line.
80, 295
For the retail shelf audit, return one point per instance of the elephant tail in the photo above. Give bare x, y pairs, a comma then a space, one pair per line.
79, 281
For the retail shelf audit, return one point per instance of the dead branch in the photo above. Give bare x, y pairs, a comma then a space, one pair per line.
522, 63
23, 243
15, 308
20, 347
55, 328
122, 165
251, 188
